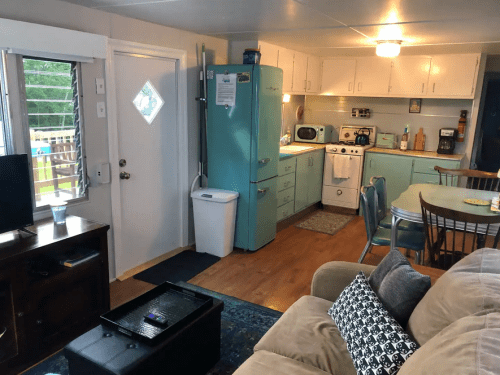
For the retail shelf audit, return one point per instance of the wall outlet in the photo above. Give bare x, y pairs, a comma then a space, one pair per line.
101, 110
99, 86
103, 174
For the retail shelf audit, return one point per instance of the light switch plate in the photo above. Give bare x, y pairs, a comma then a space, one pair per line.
101, 110
99, 86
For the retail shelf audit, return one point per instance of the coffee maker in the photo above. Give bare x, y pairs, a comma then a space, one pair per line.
446, 140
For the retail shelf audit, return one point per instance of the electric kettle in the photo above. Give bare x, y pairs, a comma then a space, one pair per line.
362, 138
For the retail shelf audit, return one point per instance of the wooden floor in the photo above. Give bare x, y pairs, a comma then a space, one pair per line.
279, 273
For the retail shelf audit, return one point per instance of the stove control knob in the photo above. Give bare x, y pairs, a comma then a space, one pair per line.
353, 151
343, 150
356, 151
334, 149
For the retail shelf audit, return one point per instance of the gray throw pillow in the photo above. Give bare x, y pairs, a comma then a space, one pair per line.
398, 286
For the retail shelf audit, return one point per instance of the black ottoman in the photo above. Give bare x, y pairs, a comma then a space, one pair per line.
193, 349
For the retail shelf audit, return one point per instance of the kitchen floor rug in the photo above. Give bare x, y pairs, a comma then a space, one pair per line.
181, 267
325, 222
242, 325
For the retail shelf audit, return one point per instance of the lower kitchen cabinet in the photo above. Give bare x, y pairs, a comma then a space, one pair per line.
309, 179
286, 187
402, 171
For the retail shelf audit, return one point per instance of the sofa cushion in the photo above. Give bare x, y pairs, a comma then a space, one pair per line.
398, 286
308, 334
468, 346
375, 340
264, 363
470, 286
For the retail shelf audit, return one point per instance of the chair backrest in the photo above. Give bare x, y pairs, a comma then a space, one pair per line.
446, 240
63, 152
478, 180
369, 206
381, 196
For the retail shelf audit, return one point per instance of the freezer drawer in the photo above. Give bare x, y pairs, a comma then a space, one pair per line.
286, 196
285, 211
286, 182
262, 213
341, 197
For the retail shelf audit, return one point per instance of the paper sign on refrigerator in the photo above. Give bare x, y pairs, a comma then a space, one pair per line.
226, 89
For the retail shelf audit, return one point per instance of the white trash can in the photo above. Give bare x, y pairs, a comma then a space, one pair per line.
214, 220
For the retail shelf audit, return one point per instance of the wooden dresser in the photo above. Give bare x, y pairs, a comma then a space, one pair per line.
43, 304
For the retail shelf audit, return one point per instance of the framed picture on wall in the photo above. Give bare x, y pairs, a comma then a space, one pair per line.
415, 105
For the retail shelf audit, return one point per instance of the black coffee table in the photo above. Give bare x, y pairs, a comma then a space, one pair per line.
192, 347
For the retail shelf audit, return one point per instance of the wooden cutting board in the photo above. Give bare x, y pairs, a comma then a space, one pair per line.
419, 143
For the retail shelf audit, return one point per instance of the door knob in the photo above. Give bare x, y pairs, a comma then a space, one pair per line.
122, 163
124, 175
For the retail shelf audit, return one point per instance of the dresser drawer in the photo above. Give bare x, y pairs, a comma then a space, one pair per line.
287, 166
286, 182
285, 211
286, 196
423, 165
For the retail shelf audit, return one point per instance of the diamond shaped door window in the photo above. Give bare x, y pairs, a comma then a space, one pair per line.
148, 102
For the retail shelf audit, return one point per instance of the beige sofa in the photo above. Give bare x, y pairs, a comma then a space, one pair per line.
456, 324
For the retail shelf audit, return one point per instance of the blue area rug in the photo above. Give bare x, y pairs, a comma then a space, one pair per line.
242, 325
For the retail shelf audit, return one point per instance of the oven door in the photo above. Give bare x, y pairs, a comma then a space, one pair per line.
354, 180
307, 134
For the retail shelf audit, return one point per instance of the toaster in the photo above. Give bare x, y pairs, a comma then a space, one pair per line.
386, 140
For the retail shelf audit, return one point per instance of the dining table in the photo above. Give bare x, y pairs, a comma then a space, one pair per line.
407, 206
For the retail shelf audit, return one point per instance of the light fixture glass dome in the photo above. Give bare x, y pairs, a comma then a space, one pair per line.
388, 48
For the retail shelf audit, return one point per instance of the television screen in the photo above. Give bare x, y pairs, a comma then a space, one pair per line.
16, 208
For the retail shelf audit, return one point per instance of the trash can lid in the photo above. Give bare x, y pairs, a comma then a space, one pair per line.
215, 195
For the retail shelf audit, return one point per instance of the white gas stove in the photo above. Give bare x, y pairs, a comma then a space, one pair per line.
344, 166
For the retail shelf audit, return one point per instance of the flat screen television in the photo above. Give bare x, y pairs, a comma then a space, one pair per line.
16, 206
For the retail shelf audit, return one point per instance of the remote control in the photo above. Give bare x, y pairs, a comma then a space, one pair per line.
155, 318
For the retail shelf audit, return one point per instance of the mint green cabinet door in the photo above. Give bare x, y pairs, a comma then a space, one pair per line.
301, 182
396, 169
316, 176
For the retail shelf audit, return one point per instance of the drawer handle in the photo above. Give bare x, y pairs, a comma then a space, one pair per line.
3, 333
286, 183
288, 168
262, 191
264, 161
339, 192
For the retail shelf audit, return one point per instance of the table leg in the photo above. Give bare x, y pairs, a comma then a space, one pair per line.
394, 231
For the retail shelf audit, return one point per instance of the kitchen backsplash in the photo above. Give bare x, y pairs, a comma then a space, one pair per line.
390, 115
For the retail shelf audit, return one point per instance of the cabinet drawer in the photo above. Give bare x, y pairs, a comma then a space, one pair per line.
341, 197
285, 211
286, 196
287, 166
428, 178
286, 182
423, 165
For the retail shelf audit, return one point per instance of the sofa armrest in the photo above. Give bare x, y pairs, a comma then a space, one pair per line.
331, 278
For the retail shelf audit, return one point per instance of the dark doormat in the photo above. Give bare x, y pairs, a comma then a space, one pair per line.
242, 326
181, 267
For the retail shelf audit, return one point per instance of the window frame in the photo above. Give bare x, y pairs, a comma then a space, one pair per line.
24, 145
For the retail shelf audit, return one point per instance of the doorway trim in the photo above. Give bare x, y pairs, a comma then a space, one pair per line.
180, 56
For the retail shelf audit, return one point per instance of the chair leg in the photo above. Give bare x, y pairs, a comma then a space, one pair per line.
365, 251
418, 257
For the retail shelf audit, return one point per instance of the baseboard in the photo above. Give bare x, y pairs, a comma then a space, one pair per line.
285, 223
151, 263
340, 210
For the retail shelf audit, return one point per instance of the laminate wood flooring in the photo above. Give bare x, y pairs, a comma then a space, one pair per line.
279, 273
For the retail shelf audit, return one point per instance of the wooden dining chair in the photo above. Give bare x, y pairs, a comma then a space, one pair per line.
446, 240
63, 163
382, 236
478, 180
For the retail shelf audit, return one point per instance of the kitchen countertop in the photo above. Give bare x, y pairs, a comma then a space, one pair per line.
421, 154
315, 147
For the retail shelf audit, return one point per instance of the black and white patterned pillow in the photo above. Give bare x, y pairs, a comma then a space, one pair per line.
376, 342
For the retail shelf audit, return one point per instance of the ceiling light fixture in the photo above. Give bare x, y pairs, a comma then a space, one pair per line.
388, 48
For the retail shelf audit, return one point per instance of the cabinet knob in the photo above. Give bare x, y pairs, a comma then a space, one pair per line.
339, 192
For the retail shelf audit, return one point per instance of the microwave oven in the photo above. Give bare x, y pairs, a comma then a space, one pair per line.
313, 133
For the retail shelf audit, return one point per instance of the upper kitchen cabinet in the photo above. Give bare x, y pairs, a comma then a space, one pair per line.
372, 76
285, 62
409, 76
338, 77
313, 74
268, 54
453, 76
299, 83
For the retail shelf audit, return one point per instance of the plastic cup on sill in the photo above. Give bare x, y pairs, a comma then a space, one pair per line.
58, 211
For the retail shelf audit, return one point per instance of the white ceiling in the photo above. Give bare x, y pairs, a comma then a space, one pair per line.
328, 27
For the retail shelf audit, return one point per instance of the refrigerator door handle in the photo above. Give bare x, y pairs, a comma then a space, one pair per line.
264, 161
262, 191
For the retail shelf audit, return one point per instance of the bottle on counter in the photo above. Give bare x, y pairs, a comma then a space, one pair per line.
461, 125
404, 140
288, 136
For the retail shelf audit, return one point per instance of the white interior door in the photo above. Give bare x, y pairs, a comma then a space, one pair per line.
146, 119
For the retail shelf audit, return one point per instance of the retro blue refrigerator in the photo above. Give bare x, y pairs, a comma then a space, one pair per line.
243, 132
